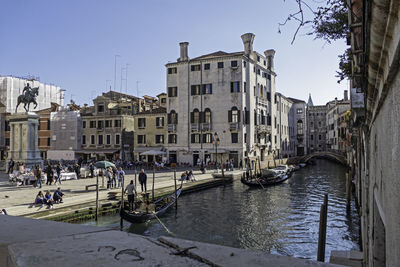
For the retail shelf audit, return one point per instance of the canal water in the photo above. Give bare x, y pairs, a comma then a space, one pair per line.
282, 219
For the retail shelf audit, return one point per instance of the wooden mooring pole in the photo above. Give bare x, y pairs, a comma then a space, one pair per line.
176, 197
121, 223
322, 230
152, 189
348, 191
97, 197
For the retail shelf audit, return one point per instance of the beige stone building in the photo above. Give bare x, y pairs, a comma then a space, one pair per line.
150, 133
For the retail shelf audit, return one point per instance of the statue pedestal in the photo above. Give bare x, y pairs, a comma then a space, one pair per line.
24, 139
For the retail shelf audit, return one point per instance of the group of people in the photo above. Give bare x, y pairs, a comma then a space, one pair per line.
188, 176
48, 199
113, 174
131, 189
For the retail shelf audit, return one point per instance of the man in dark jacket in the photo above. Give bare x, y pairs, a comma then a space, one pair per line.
143, 180
10, 166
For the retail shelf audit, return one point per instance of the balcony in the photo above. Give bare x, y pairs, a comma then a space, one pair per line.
261, 102
171, 128
206, 127
234, 126
263, 129
194, 127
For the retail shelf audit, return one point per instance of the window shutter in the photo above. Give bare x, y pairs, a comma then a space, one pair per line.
247, 117
231, 87
230, 116
192, 90
210, 88
203, 138
169, 91
201, 115
144, 122
191, 117
169, 118
192, 138
176, 121
255, 117
239, 116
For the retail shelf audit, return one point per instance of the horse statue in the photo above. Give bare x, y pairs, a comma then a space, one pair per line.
28, 97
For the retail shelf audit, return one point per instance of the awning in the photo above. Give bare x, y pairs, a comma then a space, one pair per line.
97, 151
144, 149
153, 153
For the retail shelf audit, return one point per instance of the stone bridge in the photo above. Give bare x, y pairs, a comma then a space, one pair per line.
325, 154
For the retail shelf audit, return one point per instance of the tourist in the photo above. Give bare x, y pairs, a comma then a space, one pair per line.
48, 199
58, 172
143, 180
58, 196
37, 172
121, 175
191, 176
231, 165
49, 173
10, 166
241, 164
77, 170
109, 177
114, 177
207, 160
21, 168
91, 168
39, 199
131, 195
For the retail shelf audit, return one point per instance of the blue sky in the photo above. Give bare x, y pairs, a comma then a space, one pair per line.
72, 43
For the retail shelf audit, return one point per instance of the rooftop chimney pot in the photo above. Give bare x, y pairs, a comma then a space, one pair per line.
184, 51
248, 39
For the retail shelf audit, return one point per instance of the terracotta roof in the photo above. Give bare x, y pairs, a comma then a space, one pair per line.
158, 110
218, 54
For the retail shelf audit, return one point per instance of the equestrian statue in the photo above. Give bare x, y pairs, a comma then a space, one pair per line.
28, 96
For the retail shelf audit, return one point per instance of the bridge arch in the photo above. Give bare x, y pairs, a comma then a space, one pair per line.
325, 154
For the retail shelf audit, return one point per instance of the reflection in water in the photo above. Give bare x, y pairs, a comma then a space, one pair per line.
282, 219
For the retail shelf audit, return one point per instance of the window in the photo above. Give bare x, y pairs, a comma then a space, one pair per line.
258, 58
319, 137
234, 115
207, 115
234, 63
83, 124
100, 139
235, 87
117, 139
220, 65
100, 108
195, 116
244, 87
159, 139
141, 123
319, 124
117, 123
299, 127
207, 138
275, 139
172, 70
108, 139
207, 89
265, 63
100, 124
299, 111
92, 124
195, 67
261, 91
172, 139
244, 64
311, 137
195, 89
141, 139
163, 100
48, 141
311, 124
195, 138
207, 66
172, 91
245, 138
83, 139
258, 71
92, 140
160, 122
234, 138
172, 117
108, 123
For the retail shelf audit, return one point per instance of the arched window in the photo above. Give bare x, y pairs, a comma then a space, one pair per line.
172, 117
207, 115
261, 91
195, 116
234, 115
299, 127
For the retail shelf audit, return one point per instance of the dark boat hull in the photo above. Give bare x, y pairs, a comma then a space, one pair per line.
265, 182
144, 217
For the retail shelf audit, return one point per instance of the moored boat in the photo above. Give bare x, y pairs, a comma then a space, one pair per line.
265, 180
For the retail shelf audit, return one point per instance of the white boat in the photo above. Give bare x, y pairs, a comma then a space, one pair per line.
302, 165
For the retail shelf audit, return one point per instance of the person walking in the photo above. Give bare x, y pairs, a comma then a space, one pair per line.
121, 175
10, 166
91, 168
38, 175
114, 177
49, 173
109, 177
143, 180
58, 171
131, 195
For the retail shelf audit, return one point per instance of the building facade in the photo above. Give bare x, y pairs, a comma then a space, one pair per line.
299, 132
334, 109
316, 128
284, 126
220, 104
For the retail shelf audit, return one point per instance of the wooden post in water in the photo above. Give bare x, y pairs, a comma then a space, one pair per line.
97, 197
348, 190
322, 230
135, 178
154, 174
121, 223
176, 197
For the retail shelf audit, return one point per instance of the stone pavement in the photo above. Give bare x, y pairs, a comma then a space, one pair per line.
17, 200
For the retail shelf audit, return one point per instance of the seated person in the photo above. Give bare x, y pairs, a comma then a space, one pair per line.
183, 176
58, 196
39, 198
48, 199
191, 176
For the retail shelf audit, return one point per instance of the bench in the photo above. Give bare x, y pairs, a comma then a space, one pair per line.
90, 185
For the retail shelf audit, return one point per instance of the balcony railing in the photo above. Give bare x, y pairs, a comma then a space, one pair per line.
194, 127
261, 101
234, 126
171, 127
264, 129
206, 126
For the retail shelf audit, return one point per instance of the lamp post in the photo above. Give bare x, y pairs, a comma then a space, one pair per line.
216, 143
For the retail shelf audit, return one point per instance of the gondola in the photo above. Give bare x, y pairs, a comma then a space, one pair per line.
272, 178
148, 210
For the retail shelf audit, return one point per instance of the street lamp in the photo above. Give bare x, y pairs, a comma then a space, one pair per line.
216, 143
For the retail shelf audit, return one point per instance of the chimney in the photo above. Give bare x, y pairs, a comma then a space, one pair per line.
248, 39
269, 54
345, 95
184, 51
